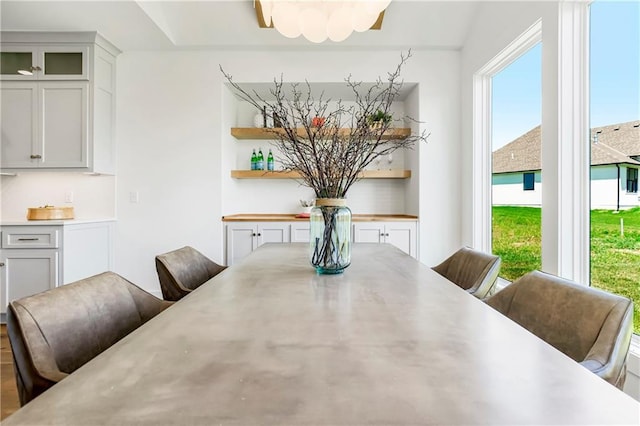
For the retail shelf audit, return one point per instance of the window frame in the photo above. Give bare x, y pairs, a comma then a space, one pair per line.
565, 121
532, 185
632, 184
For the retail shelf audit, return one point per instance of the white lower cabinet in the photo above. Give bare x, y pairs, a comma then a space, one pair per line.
244, 237
401, 234
300, 232
27, 272
35, 258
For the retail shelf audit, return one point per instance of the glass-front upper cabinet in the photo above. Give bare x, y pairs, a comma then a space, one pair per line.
23, 62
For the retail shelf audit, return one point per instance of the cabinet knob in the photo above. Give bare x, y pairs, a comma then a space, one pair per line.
259, 234
36, 156
1, 264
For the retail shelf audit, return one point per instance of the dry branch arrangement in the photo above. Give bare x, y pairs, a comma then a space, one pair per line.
331, 151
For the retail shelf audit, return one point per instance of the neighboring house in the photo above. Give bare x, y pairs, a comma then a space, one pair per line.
615, 165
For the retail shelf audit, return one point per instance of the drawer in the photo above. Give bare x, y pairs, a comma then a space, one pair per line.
29, 238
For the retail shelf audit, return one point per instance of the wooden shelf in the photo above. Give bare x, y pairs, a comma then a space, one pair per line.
260, 133
366, 174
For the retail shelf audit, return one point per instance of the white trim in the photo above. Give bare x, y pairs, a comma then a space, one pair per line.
481, 226
566, 151
632, 382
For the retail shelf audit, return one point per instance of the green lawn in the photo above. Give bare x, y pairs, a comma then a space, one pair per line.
615, 258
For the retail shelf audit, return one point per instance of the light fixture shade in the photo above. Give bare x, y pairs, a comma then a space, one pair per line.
376, 6
362, 20
339, 24
285, 16
313, 23
318, 20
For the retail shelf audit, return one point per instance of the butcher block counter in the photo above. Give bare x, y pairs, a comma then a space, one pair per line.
290, 217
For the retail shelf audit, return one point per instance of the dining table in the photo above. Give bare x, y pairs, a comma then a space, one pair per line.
387, 342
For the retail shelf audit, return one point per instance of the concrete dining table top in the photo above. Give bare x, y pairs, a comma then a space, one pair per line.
389, 341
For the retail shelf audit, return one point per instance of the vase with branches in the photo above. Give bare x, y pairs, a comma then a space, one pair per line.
331, 154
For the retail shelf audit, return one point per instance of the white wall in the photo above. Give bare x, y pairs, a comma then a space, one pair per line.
175, 150
93, 196
606, 193
507, 191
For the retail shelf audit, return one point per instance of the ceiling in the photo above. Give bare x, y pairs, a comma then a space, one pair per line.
231, 24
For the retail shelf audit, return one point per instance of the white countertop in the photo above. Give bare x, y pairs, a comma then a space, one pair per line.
25, 222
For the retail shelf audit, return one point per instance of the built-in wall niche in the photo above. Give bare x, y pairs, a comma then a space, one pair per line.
253, 194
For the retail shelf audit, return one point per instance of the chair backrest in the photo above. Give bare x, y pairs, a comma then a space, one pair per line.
55, 332
589, 325
472, 270
183, 270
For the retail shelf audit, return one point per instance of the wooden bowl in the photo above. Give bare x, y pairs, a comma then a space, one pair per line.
49, 213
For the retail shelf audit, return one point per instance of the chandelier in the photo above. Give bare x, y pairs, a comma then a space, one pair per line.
318, 20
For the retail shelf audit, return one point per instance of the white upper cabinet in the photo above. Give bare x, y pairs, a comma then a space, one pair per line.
58, 102
44, 125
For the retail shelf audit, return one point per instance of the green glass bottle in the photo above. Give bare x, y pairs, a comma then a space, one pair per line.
260, 162
270, 162
254, 160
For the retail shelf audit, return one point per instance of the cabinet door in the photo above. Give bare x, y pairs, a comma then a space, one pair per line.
64, 124
274, 232
64, 63
300, 232
241, 241
88, 250
368, 232
24, 272
18, 63
19, 125
402, 235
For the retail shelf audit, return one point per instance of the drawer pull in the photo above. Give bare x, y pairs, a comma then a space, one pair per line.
28, 239
36, 156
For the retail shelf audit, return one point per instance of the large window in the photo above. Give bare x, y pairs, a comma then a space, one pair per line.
615, 114
516, 144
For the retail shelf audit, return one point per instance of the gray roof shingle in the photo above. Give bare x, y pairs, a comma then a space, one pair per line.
613, 144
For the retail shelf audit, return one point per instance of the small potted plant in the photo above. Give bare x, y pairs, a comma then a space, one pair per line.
379, 119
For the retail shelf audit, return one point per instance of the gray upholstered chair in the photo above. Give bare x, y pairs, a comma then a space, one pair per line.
182, 271
55, 332
472, 270
589, 325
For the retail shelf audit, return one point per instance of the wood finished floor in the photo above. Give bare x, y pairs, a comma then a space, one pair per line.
8, 392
